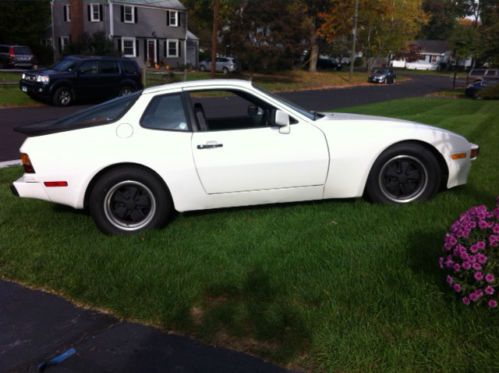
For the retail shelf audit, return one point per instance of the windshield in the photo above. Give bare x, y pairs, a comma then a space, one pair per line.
379, 71
312, 115
66, 65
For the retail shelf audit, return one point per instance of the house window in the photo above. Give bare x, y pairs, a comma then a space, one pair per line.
129, 14
63, 43
67, 13
172, 48
128, 47
172, 18
95, 14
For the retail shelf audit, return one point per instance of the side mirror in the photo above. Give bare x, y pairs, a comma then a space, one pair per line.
282, 121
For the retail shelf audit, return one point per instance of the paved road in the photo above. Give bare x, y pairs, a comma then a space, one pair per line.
322, 100
35, 326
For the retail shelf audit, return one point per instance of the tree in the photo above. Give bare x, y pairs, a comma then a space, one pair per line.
95, 44
442, 18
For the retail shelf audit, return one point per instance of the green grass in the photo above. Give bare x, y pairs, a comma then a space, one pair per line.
9, 77
13, 96
326, 286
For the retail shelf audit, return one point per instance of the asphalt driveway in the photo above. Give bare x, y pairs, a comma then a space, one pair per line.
320, 100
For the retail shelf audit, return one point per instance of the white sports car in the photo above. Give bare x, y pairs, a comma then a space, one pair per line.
209, 144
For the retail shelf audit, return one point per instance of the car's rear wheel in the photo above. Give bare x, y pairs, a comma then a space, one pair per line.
202, 68
125, 90
63, 96
127, 200
225, 71
404, 173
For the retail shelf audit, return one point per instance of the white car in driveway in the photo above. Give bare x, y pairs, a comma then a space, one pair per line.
210, 144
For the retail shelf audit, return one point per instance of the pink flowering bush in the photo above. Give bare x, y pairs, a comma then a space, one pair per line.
471, 256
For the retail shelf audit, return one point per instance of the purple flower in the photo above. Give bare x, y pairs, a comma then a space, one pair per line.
441, 262
489, 290
489, 277
484, 225
480, 245
478, 276
456, 287
450, 280
495, 229
473, 297
466, 265
466, 300
456, 267
492, 303
477, 266
481, 258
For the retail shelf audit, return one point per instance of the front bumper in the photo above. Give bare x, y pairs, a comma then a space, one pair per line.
34, 89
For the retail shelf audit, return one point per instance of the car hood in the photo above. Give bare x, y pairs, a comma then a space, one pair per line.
371, 123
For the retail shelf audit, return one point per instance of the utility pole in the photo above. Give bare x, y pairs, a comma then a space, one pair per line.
354, 36
214, 37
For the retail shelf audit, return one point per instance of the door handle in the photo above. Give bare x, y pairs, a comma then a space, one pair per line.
209, 146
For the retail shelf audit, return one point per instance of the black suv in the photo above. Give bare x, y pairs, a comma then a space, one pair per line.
83, 77
16, 56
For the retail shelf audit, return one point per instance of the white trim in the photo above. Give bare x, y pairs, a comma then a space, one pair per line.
10, 163
92, 18
67, 12
174, 24
132, 13
155, 50
111, 18
168, 55
133, 40
64, 42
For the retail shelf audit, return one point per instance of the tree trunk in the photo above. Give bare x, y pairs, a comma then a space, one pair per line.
214, 37
314, 49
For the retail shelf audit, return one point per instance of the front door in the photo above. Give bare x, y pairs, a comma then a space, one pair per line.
241, 151
151, 51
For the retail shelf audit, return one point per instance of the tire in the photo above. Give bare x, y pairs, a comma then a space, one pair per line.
125, 90
225, 71
202, 68
404, 173
128, 200
63, 96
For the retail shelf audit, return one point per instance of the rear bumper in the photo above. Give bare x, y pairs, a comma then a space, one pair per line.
29, 189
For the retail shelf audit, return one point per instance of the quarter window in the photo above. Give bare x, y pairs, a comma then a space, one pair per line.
165, 113
172, 48
128, 47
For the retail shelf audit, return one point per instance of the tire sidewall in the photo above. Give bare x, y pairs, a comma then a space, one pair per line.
373, 188
57, 93
164, 205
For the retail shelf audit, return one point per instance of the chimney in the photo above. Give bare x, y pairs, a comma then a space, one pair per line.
77, 12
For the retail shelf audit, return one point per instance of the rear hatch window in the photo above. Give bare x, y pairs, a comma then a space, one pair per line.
22, 50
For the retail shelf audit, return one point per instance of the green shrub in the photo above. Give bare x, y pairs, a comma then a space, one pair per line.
491, 93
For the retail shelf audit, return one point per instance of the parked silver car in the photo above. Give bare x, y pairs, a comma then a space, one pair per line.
223, 64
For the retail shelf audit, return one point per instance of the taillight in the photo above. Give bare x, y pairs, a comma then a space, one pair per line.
11, 53
26, 162
474, 153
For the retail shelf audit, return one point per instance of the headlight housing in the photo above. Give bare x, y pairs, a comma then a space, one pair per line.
42, 79
23, 76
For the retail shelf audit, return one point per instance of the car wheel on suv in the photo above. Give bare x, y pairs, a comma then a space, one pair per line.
125, 90
63, 96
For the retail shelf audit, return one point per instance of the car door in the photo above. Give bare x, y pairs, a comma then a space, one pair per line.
238, 151
88, 82
109, 78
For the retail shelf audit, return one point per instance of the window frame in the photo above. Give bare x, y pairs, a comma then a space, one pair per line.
185, 107
67, 12
63, 42
176, 41
133, 40
92, 12
132, 13
175, 18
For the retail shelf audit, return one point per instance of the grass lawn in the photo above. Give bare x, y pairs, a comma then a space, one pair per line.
326, 286
9, 76
12, 96
281, 81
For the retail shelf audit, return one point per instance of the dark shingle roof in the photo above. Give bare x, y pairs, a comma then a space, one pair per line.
167, 4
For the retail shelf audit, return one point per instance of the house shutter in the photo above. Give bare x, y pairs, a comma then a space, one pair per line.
157, 50
60, 45
122, 13
179, 46
89, 11
65, 11
101, 11
119, 45
166, 46
137, 48
145, 50
168, 18
136, 13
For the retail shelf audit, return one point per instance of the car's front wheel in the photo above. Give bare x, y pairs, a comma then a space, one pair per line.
202, 68
125, 90
127, 200
63, 96
404, 173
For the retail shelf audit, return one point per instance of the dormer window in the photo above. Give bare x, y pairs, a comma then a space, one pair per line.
95, 12
172, 18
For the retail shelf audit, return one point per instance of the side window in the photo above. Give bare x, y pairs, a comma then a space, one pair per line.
221, 110
108, 67
165, 112
89, 68
129, 68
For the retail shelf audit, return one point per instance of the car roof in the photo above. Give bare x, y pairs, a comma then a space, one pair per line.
206, 83
81, 58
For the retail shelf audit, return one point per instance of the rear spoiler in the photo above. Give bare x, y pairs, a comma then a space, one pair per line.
37, 129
